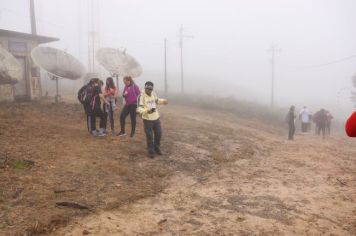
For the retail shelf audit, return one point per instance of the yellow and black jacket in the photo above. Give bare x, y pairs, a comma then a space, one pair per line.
146, 103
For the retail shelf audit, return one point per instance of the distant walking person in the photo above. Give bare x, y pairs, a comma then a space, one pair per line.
130, 93
304, 116
110, 94
290, 119
321, 120
147, 108
328, 122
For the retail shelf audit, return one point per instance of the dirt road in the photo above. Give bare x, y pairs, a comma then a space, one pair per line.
238, 177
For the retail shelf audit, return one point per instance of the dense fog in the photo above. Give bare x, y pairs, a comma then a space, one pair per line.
228, 54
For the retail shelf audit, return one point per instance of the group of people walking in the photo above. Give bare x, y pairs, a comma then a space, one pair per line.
321, 118
100, 101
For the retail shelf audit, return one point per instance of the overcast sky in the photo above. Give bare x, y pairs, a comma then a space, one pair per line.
228, 54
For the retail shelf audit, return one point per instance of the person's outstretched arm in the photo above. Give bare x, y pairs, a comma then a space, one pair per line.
161, 101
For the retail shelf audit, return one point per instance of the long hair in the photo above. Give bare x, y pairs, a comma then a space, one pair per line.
93, 81
110, 83
129, 78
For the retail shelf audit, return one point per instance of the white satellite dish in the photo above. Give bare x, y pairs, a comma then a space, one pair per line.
118, 62
58, 64
10, 69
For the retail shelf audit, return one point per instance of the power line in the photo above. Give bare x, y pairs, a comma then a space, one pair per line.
334, 62
323, 64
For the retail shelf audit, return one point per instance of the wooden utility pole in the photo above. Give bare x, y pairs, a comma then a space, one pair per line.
181, 37
33, 17
165, 68
93, 34
273, 50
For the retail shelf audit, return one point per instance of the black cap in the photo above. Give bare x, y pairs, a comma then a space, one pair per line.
149, 83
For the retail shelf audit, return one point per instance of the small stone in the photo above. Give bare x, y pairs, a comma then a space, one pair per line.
86, 232
240, 219
194, 222
162, 221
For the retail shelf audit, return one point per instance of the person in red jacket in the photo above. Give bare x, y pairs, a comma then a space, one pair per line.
350, 126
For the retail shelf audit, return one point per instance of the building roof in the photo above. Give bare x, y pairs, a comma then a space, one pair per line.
38, 38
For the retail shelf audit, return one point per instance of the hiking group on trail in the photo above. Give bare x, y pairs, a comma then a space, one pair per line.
101, 101
321, 118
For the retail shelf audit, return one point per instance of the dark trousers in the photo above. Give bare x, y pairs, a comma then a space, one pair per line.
109, 112
291, 131
304, 127
91, 117
309, 127
128, 109
321, 129
89, 123
103, 119
328, 128
153, 132
89, 114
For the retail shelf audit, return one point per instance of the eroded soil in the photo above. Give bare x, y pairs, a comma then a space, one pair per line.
220, 175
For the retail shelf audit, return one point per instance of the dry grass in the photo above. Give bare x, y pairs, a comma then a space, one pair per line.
244, 109
48, 150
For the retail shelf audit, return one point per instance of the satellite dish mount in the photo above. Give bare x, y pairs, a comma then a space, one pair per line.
116, 76
56, 78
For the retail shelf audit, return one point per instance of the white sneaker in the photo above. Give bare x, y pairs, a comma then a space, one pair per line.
94, 133
121, 134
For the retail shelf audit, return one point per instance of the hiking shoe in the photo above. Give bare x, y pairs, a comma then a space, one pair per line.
94, 133
101, 134
151, 154
104, 131
121, 134
158, 151
131, 135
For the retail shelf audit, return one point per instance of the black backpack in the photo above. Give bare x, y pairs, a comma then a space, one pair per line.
85, 94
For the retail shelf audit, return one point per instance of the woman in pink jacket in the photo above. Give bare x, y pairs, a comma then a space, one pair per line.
130, 93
